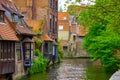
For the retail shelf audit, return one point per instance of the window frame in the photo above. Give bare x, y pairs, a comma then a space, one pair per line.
7, 50
18, 51
2, 14
65, 48
30, 50
61, 27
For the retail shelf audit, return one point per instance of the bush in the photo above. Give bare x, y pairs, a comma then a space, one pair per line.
38, 43
60, 55
37, 52
39, 65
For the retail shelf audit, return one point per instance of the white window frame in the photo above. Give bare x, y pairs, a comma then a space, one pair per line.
65, 18
61, 27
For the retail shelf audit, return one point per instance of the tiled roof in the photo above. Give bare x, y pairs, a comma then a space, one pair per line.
65, 25
64, 43
47, 38
7, 33
8, 29
24, 30
82, 31
61, 15
8, 5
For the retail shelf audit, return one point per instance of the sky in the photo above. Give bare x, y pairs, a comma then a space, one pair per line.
62, 2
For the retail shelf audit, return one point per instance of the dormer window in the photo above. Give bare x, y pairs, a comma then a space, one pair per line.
18, 19
8, 14
1, 16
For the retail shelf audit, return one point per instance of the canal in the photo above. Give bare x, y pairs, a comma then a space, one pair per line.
74, 69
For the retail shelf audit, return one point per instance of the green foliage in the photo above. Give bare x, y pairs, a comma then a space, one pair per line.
37, 52
61, 10
38, 42
39, 65
78, 0
102, 41
60, 52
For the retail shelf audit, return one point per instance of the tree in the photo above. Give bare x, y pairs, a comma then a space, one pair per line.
61, 9
103, 40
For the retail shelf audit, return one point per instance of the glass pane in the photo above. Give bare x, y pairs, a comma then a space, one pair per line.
18, 51
5, 51
20, 21
27, 54
31, 54
32, 46
1, 16
12, 50
1, 50
8, 14
27, 45
16, 18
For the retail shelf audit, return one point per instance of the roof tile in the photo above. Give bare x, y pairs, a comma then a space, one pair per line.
7, 33
61, 15
47, 38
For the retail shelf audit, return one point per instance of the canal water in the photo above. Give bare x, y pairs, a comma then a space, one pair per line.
74, 69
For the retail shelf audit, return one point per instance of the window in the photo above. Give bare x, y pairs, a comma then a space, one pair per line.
7, 50
65, 48
50, 22
12, 17
64, 18
56, 6
1, 16
18, 51
28, 50
51, 3
74, 38
60, 27
18, 19
25, 16
46, 47
53, 24
8, 14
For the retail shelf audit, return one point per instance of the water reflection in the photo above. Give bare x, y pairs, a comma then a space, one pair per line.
74, 69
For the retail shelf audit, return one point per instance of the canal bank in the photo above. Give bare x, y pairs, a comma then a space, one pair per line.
73, 69
115, 76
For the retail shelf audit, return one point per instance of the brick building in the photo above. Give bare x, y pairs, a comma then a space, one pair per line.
64, 30
42, 15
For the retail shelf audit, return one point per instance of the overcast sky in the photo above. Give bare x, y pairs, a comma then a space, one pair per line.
62, 2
